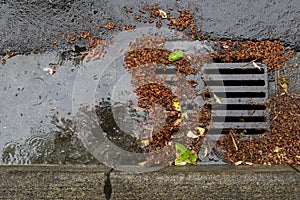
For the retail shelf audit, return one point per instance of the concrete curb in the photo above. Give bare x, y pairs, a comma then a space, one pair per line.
187, 182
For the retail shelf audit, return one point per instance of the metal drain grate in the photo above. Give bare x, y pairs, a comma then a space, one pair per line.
243, 88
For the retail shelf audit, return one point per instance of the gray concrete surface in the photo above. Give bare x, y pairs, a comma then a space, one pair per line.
296, 167
291, 70
187, 182
52, 182
209, 182
27, 25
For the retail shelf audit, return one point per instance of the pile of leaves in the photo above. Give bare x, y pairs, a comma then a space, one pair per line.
272, 54
280, 145
146, 56
180, 20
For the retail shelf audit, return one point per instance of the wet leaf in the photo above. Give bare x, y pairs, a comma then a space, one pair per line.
284, 83
238, 163
218, 100
248, 163
3, 61
277, 149
183, 155
177, 106
144, 142
185, 115
190, 134
176, 55
177, 122
201, 130
50, 70
283, 80
142, 164
256, 66
163, 14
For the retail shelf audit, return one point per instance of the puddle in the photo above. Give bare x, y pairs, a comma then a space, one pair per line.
30, 97
36, 107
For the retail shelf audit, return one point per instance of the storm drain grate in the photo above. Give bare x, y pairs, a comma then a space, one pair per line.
242, 88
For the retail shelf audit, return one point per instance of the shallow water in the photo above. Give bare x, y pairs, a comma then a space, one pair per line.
30, 97
51, 118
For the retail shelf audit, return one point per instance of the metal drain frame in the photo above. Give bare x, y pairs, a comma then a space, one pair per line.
245, 86
233, 108
226, 76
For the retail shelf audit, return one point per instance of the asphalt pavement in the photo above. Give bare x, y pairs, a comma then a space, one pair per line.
26, 25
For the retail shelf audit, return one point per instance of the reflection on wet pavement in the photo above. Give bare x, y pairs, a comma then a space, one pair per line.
56, 147
30, 97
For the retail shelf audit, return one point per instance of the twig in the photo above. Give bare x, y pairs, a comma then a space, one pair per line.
250, 62
150, 135
234, 143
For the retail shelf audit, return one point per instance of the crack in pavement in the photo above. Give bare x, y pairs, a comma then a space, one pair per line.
107, 185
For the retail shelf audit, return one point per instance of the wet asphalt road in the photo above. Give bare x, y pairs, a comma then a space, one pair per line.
29, 24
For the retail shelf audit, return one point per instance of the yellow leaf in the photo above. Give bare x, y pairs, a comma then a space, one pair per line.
177, 106
285, 87
201, 130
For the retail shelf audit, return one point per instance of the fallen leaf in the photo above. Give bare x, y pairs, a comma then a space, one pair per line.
177, 106
277, 149
163, 14
144, 142
185, 115
55, 41
177, 122
256, 66
142, 164
285, 87
248, 163
183, 155
50, 70
218, 100
238, 163
190, 134
176, 55
201, 130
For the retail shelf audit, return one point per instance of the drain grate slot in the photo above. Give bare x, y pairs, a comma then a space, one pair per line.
234, 71
235, 77
239, 118
237, 83
239, 94
240, 87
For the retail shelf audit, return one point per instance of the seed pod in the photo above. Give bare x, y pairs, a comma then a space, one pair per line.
176, 55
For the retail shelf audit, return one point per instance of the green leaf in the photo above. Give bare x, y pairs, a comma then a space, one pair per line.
183, 155
176, 55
